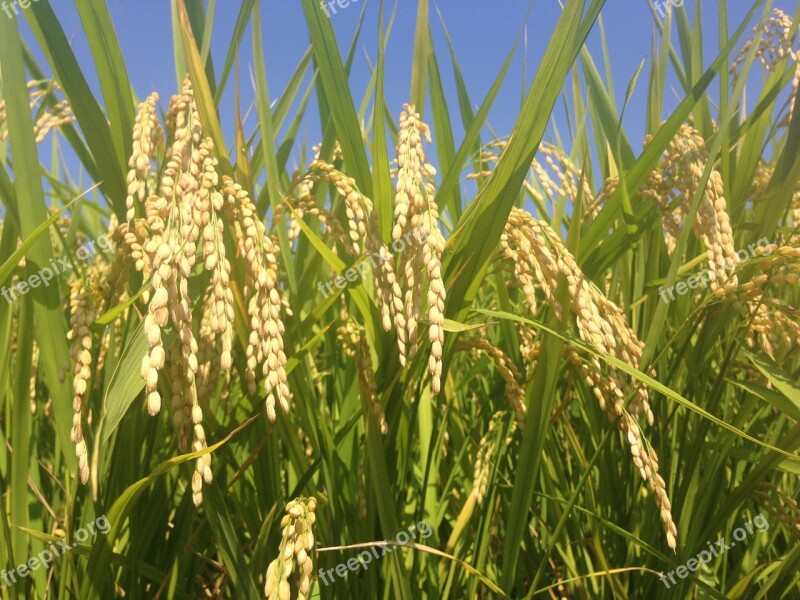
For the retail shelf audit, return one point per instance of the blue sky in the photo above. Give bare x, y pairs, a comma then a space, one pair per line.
482, 31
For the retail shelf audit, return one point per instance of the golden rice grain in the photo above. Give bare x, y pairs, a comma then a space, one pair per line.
364, 233
101, 287
57, 114
773, 325
795, 223
34, 377
432, 259
563, 179
303, 203
357, 206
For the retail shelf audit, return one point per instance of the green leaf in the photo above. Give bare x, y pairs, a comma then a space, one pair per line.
112, 313
384, 194
50, 328
7, 268
227, 538
782, 381
111, 70
96, 129
126, 382
419, 65
95, 581
456, 327
334, 81
467, 250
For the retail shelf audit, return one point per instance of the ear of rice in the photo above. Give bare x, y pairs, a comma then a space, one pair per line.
487, 448
672, 186
507, 370
191, 206
147, 136
289, 575
364, 234
417, 217
354, 344
539, 260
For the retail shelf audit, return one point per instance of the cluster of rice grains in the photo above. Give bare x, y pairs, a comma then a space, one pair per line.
673, 185
487, 448
82, 316
294, 563
539, 261
416, 211
352, 339
102, 286
415, 236
777, 43
561, 178
515, 393
168, 216
772, 324
362, 234
51, 113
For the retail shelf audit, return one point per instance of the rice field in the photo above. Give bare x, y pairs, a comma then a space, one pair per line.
301, 342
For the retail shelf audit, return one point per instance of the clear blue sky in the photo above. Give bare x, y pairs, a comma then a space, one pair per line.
482, 31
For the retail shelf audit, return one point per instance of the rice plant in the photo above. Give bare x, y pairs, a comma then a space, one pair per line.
400, 363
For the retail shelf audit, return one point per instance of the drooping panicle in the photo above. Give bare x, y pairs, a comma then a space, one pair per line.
540, 260
416, 214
